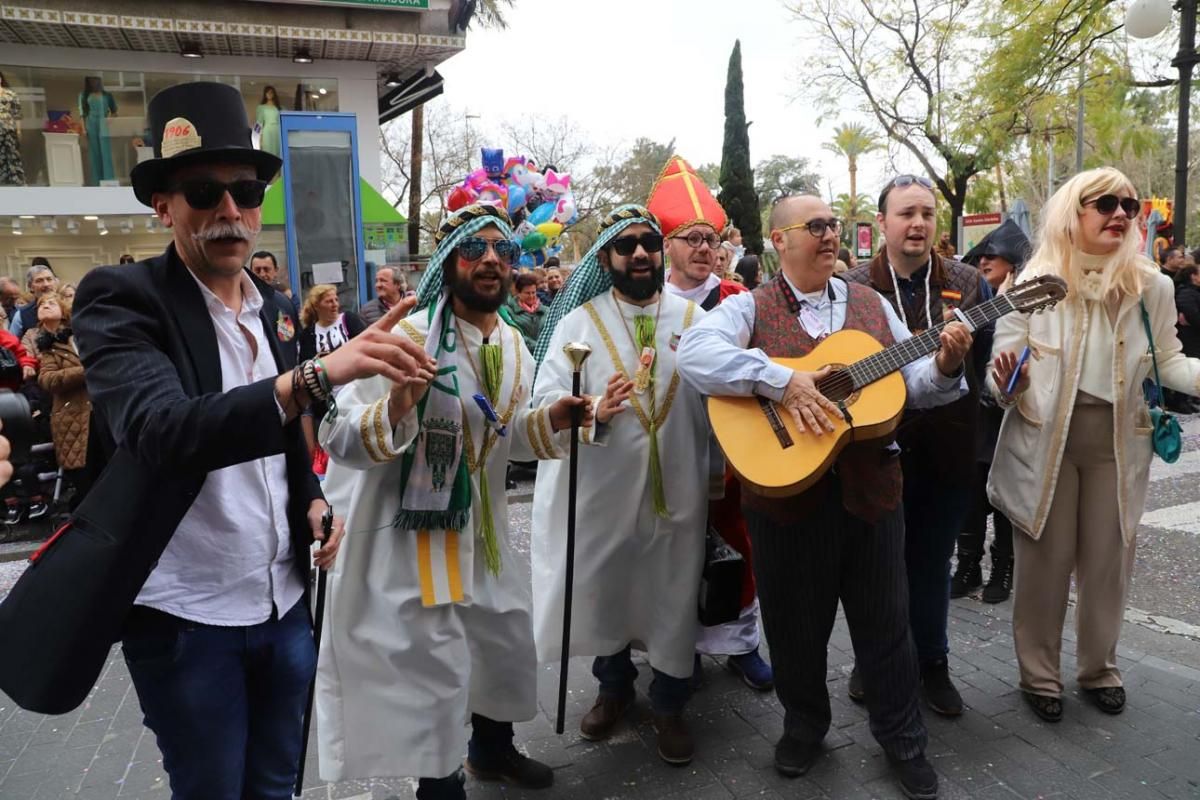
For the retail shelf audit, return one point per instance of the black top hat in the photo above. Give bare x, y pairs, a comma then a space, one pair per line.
194, 123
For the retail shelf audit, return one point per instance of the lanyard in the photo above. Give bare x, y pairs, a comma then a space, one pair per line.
900, 297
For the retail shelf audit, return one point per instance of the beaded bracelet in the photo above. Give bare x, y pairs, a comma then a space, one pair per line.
326, 387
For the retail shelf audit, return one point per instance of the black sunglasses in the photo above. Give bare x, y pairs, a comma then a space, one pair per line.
203, 194
626, 245
472, 248
1107, 204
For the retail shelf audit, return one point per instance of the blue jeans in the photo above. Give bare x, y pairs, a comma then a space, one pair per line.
226, 704
616, 673
934, 514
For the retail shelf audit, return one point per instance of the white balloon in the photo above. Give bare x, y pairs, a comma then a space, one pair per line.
1147, 18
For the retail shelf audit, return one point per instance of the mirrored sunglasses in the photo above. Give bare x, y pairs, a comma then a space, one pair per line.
473, 248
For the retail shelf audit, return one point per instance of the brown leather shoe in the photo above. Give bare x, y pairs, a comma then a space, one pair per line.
674, 741
607, 711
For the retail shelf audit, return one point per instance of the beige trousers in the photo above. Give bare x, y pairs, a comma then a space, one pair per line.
1082, 535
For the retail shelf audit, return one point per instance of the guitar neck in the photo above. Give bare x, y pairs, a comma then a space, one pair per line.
890, 359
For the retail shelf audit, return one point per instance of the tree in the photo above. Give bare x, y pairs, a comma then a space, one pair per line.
914, 66
860, 208
737, 196
852, 141
630, 181
780, 176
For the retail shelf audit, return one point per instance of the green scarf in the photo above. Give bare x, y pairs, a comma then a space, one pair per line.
644, 334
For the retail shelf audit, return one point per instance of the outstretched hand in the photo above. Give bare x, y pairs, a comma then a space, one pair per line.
379, 351
613, 401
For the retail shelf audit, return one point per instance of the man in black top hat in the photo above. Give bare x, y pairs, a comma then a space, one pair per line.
196, 403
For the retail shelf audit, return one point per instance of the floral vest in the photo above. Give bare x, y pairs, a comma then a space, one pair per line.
868, 475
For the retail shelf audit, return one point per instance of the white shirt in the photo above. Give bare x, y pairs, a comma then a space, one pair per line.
230, 560
714, 359
331, 337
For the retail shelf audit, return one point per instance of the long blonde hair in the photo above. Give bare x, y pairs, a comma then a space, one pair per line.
308, 313
1128, 268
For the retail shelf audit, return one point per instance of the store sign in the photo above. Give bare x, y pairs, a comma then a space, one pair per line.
973, 227
400, 5
417, 89
864, 245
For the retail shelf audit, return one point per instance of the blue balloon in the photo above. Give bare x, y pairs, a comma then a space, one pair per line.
543, 213
516, 198
526, 260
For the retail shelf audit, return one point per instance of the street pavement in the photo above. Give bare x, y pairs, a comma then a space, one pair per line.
998, 750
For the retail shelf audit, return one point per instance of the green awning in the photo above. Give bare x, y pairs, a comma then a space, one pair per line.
375, 209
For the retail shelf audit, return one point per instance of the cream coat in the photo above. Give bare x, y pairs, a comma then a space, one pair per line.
1034, 432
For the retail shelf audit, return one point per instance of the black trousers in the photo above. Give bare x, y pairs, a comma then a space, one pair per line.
970, 541
802, 571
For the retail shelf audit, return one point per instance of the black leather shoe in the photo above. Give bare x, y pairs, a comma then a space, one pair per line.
794, 757
938, 690
856, 691
917, 779
516, 768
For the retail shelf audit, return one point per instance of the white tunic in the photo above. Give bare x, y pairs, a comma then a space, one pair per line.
637, 576
397, 680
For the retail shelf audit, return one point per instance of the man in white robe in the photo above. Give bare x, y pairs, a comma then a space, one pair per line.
643, 483
429, 619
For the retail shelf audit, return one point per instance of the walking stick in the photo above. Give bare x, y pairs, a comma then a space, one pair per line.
578, 353
318, 619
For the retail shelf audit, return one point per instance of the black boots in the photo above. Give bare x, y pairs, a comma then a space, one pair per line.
999, 585
967, 577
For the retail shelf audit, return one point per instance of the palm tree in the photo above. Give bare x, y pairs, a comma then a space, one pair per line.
853, 140
858, 209
490, 13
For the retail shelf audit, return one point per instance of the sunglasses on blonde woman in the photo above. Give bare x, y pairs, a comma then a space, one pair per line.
1107, 204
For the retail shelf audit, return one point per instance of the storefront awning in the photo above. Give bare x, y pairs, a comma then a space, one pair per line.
375, 209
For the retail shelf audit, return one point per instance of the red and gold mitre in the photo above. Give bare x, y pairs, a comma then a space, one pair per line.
680, 199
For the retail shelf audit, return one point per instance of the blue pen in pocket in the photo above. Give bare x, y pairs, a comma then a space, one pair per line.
1016, 376
490, 415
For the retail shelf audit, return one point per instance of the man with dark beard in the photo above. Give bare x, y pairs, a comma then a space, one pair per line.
433, 600
643, 485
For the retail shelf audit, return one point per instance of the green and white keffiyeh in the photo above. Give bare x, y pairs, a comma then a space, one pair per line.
589, 279
435, 487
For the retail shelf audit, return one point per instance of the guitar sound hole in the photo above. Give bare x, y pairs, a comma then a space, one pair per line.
838, 386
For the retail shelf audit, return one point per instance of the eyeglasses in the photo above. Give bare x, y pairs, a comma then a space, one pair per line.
472, 248
1107, 204
900, 181
816, 227
696, 238
203, 194
650, 242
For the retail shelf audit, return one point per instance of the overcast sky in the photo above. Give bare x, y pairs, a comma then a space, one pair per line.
656, 68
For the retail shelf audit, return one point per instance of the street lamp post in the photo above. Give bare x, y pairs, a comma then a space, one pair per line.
1147, 18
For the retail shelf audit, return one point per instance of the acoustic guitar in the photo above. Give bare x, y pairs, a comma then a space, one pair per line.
760, 439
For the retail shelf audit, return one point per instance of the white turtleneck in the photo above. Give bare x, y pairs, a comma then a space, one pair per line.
1096, 373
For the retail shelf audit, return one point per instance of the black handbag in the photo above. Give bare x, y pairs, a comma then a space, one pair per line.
10, 369
720, 582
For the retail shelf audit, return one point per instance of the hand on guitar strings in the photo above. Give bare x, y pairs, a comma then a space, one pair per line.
1002, 371
810, 410
956, 341
615, 395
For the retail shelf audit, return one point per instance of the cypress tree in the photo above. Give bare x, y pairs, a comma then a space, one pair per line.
737, 196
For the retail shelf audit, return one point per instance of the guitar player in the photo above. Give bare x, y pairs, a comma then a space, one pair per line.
842, 539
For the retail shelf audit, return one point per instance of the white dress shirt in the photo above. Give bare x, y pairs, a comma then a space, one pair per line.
230, 561
714, 359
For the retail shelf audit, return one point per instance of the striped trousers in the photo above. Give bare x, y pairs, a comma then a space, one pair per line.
802, 570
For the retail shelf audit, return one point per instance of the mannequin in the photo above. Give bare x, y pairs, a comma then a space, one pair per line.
267, 116
95, 107
12, 170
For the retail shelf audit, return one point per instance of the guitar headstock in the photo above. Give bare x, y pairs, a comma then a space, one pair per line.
1037, 294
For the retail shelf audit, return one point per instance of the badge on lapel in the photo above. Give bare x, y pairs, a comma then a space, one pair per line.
674, 341
285, 329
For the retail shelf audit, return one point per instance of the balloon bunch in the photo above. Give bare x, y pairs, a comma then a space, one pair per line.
540, 203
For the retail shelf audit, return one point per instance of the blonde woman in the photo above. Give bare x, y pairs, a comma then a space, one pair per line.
325, 328
1072, 463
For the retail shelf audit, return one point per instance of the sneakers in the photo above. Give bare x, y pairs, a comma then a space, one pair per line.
514, 767
856, 691
675, 744
753, 671
938, 691
917, 779
967, 577
999, 585
37, 510
794, 757
607, 711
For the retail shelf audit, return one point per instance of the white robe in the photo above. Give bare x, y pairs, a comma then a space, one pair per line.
637, 576
397, 680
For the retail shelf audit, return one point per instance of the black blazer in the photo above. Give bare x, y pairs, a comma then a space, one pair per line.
160, 424
149, 350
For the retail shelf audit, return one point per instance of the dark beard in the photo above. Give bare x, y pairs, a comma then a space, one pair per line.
462, 289
639, 289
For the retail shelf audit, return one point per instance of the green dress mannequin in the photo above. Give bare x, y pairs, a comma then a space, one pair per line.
267, 117
95, 107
